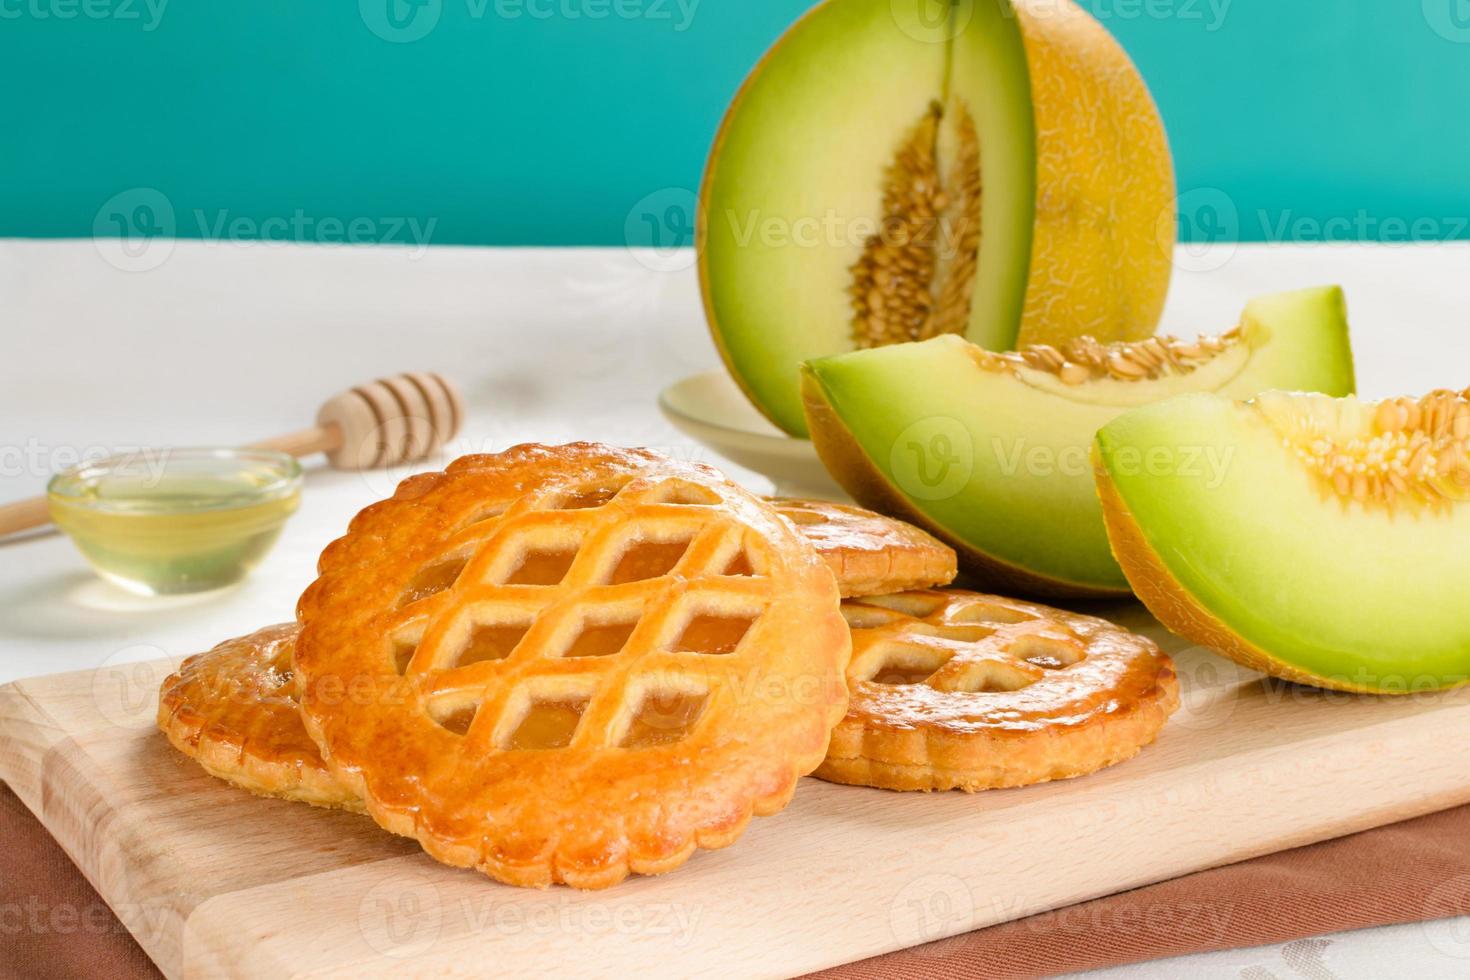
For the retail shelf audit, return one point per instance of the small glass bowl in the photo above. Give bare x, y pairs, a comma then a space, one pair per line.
172, 521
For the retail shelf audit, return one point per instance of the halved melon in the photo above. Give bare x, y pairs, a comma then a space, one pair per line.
990, 451
894, 170
1329, 542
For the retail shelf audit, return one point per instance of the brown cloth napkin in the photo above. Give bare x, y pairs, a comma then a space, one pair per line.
52, 924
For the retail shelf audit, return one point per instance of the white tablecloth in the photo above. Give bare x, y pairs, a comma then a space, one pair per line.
229, 342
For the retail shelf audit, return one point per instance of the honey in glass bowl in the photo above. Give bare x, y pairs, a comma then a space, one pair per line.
172, 521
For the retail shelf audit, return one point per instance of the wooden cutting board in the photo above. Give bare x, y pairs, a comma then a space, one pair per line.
215, 882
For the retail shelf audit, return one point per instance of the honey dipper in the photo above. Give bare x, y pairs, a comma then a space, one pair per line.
382, 423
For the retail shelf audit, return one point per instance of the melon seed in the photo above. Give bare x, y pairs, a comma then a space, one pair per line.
928, 243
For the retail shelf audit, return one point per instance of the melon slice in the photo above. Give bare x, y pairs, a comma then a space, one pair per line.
990, 451
1330, 546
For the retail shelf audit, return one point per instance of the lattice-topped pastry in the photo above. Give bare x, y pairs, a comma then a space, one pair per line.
234, 710
568, 663
958, 690
870, 554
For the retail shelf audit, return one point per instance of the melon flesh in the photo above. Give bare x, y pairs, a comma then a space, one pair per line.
1258, 560
997, 463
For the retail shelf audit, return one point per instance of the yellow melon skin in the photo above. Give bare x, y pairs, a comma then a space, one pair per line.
1102, 251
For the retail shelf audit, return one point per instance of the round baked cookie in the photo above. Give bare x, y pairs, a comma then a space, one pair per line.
563, 664
958, 690
234, 711
870, 554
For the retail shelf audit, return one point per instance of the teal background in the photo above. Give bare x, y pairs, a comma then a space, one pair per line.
515, 122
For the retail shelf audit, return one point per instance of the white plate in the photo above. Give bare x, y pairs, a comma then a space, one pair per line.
712, 409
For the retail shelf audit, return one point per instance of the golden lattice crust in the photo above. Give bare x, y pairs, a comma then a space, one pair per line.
571, 708
870, 554
234, 710
959, 690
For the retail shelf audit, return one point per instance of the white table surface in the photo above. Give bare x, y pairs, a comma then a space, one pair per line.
224, 343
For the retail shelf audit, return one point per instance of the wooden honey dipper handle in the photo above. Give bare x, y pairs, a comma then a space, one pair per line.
390, 421
23, 514
383, 423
